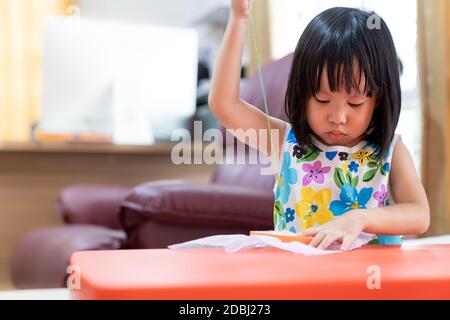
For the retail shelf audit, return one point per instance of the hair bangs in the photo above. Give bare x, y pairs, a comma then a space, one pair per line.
347, 67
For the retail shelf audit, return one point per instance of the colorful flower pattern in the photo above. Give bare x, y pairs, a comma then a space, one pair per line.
314, 173
314, 207
381, 196
350, 198
287, 177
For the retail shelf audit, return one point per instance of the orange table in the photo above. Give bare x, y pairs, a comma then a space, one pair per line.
422, 272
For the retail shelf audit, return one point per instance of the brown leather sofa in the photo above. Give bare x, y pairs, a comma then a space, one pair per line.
158, 213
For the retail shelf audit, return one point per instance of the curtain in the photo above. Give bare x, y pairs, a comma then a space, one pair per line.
434, 56
21, 35
261, 31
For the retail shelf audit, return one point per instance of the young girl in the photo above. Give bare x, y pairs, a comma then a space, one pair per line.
341, 165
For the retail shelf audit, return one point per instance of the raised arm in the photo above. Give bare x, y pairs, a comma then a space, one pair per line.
224, 98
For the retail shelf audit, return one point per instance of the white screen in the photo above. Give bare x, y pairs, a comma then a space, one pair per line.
86, 61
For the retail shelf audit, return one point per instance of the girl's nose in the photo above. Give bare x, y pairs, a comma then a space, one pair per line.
338, 115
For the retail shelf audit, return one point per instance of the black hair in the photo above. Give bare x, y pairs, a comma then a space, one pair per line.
335, 40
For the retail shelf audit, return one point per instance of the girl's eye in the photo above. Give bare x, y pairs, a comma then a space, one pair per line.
322, 101
356, 105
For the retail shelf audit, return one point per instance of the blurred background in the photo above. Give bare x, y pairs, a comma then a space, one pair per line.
92, 90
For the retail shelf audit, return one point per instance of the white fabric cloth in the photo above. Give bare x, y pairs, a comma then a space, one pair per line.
236, 242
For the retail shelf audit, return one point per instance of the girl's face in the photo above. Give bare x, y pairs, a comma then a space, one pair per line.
339, 118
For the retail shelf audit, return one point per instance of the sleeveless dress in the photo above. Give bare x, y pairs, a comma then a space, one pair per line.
314, 186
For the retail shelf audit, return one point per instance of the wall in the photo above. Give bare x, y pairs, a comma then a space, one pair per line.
168, 12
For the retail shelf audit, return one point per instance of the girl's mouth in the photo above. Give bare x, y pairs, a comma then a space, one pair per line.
336, 135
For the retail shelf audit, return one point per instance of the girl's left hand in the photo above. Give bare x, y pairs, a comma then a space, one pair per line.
344, 229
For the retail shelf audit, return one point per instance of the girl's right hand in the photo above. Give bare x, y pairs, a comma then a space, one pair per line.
240, 8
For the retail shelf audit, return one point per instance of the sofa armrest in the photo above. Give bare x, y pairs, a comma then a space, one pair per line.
92, 204
198, 205
40, 259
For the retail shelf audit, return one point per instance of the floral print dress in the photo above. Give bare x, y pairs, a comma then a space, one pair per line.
315, 185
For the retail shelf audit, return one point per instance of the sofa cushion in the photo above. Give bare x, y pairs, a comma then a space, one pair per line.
275, 77
198, 205
92, 204
151, 234
41, 258
244, 175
